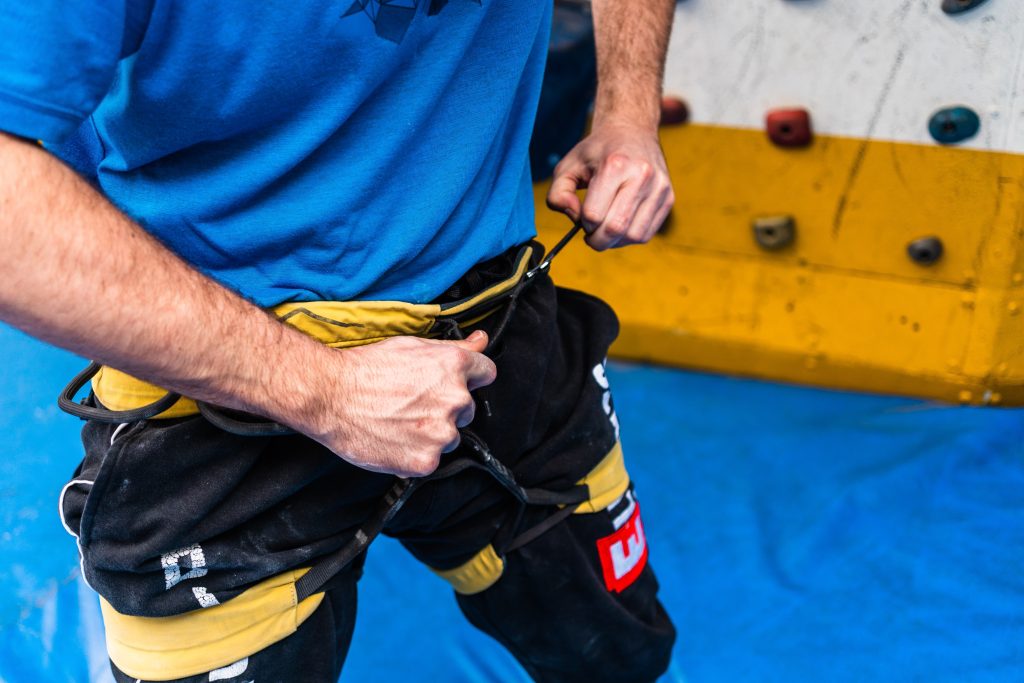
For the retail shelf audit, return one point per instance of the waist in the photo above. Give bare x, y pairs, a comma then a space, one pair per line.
341, 324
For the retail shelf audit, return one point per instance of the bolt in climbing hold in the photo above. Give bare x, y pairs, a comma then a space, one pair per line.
958, 6
925, 251
954, 124
789, 127
774, 232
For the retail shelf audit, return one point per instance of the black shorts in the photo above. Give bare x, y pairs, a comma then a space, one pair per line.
577, 603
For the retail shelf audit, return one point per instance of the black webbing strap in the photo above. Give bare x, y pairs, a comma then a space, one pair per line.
570, 499
531, 496
537, 530
328, 568
493, 466
66, 402
576, 496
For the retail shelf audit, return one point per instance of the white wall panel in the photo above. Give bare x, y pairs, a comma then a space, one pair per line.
864, 68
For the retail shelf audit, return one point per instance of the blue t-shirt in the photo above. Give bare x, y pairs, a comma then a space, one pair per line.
295, 151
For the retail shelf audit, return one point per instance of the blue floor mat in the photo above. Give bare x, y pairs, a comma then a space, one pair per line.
799, 535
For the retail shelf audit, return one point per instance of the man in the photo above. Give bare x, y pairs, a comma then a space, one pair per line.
315, 160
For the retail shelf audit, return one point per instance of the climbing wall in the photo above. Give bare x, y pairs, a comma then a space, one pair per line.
850, 207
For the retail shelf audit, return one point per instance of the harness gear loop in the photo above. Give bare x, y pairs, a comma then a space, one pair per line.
66, 402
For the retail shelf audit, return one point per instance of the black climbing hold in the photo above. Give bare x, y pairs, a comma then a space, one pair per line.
958, 6
774, 232
954, 124
925, 251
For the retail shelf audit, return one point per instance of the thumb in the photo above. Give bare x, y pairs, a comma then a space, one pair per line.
476, 342
562, 195
481, 370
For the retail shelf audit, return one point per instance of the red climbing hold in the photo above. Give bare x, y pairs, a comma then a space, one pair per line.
674, 111
790, 127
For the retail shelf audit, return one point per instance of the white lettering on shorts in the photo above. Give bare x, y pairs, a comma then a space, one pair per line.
623, 554
230, 671
205, 599
627, 503
601, 377
172, 565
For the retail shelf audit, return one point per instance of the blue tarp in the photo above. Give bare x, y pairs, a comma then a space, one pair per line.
799, 535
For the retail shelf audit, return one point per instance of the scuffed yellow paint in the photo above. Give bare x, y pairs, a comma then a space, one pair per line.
843, 306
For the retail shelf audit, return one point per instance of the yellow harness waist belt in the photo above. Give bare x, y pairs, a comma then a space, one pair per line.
338, 324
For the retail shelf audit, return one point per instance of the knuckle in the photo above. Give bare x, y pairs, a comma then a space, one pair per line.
636, 232
596, 243
645, 236
616, 227
617, 160
453, 360
592, 215
448, 439
457, 401
645, 170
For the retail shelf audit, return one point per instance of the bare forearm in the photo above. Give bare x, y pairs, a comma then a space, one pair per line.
620, 162
79, 274
632, 38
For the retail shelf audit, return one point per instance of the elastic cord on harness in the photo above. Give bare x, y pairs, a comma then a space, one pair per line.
224, 420
66, 402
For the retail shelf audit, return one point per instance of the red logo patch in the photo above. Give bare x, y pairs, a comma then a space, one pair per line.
623, 554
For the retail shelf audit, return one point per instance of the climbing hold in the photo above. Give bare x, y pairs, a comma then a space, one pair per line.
958, 6
774, 232
954, 124
674, 111
789, 127
925, 251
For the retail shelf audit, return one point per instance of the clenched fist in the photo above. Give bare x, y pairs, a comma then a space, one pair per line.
396, 405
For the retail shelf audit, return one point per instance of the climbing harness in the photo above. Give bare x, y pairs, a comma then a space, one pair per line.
341, 324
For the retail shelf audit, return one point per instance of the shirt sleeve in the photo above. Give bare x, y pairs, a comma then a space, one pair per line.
58, 59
